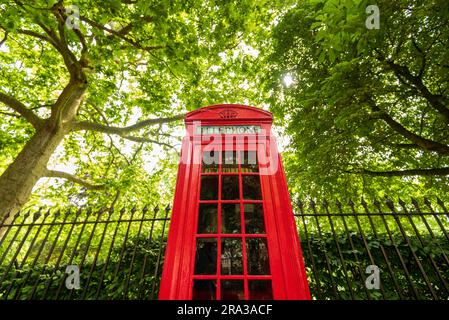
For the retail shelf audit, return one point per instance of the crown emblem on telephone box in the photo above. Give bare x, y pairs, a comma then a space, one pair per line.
228, 114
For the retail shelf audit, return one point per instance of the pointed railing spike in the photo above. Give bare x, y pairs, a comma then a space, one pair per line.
36, 215
441, 204
416, 205
338, 204
26, 215
402, 204
88, 213
390, 204
388, 200
300, 205
312, 204
363, 202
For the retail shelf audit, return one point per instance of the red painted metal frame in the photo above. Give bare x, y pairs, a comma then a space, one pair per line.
288, 275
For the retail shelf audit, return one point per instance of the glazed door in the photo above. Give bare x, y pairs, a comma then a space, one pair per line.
231, 246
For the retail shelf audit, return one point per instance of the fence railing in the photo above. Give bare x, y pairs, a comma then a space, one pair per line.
351, 251
103, 254
378, 251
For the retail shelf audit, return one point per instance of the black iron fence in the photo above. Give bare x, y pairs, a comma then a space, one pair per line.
83, 254
378, 251
352, 251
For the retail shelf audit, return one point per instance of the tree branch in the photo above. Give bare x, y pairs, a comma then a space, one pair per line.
59, 44
85, 125
406, 146
4, 38
124, 131
121, 34
19, 107
424, 143
144, 139
68, 56
409, 172
58, 11
36, 35
416, 81
72, 178
68, 101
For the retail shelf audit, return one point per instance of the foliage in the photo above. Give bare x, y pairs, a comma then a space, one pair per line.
130, 282
139, 60
368, 109
125, 254
322, 247
121, 249
406, 241
366, 113
343, 280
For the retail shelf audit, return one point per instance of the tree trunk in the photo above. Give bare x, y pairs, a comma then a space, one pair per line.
17, 182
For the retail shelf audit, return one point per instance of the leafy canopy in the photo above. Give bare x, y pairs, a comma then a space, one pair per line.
143, 60
368, 109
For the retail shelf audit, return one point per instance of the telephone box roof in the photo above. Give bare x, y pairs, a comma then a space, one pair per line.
229, 112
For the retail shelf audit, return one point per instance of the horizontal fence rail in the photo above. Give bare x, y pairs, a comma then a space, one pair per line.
83, 254
378, 250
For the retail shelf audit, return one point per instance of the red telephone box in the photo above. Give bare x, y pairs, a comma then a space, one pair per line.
232, 233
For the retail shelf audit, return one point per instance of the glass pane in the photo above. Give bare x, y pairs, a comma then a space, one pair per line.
231, 256
260, 290
206, 256
229, 162
248, 160
210, 161
204, 290
209, 188
257, 256
207, 218
230, 218
251, 187
254, 221
230, 188
232, 290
